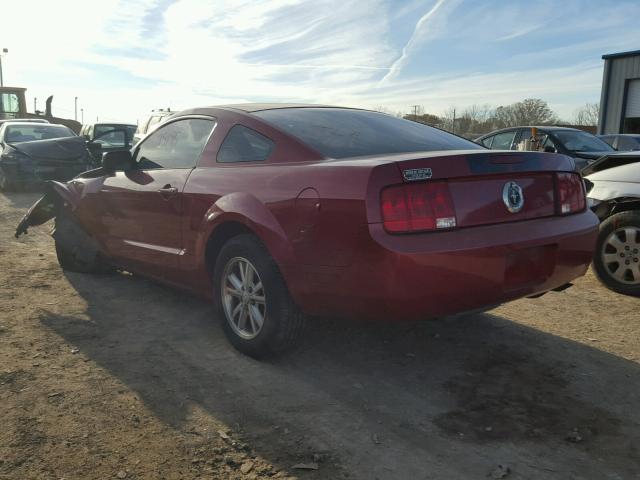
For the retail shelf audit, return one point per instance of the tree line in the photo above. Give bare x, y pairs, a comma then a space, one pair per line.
476, 120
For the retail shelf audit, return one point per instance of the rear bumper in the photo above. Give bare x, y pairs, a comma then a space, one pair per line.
427, 275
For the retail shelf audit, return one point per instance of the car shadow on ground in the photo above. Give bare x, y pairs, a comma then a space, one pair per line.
438, 399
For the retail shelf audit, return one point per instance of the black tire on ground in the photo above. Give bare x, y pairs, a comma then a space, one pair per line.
604, 270
283, 322
80, 254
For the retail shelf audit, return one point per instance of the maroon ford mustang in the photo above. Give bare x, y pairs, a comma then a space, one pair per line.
277, 212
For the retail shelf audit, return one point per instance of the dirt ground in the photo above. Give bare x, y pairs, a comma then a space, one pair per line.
114, 376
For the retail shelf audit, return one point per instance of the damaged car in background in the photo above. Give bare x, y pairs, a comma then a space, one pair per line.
32, 153
590, 153
35, 152
279, 213
614, 195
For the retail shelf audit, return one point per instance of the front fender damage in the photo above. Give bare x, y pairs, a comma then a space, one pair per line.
57, 197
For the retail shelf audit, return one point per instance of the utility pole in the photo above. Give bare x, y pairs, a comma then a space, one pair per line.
4, 52
453, 122
82, 115
415, 112
75, 115
35, 105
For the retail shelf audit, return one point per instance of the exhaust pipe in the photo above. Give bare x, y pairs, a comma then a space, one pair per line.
47, 112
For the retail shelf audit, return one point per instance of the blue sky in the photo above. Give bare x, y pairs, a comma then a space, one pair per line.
123, 58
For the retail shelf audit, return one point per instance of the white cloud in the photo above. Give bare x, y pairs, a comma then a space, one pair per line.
125, 57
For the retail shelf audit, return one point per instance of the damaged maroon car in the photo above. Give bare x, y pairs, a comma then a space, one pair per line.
279, 212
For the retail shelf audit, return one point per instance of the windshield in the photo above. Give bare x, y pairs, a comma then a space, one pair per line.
576, 141
28, 133
343, 133
100, 129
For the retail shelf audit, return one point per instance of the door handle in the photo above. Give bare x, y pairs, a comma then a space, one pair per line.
167, 191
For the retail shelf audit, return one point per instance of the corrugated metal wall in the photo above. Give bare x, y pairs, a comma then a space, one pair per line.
617, 72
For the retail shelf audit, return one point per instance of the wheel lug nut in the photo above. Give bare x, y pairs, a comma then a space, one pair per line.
627, 262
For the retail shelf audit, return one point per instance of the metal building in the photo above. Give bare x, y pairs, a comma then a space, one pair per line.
620, 97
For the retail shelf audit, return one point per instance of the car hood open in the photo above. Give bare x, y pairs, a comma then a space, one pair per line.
611, 160
58, 149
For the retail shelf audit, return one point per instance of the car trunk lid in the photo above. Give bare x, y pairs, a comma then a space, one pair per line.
489, 187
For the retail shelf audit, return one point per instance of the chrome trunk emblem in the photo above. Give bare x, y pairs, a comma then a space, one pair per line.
513, 197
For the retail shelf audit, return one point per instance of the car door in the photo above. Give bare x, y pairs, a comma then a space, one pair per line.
141, 208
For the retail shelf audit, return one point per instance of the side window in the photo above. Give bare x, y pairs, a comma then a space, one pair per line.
547, 142
175, 145
9, 103
611, 140
525, 134
487, 141
244, 145
503, 141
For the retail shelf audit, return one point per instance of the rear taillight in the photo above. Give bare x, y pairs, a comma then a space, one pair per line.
417, 207
570, 196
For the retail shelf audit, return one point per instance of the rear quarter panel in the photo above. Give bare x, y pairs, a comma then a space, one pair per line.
308, 214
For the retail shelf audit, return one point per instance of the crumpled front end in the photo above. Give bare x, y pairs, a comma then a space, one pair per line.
57, 196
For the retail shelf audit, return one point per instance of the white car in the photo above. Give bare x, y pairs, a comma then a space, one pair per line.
614, 195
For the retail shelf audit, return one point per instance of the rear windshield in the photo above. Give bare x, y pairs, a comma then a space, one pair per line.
103, 128
342, 133
577, 141
28, 133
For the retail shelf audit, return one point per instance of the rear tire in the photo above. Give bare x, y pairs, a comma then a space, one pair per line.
617, 258
253, 303
81, 255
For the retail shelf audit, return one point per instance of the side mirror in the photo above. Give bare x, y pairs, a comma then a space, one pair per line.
118, 160
549, 149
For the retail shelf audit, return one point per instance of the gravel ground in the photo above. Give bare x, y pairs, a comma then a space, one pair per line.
115, 376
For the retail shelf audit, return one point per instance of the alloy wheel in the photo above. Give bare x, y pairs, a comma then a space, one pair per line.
243, 298
621, 255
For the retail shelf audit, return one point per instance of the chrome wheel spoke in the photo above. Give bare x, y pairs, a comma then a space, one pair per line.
256, 317
259, 299
615, 242
619, 273
235, 281
630, 234
609, 258
242, 321
248, 276
233, 292
236, 310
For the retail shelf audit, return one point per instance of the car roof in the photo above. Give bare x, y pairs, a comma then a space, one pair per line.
553, 128
35, 124
620, 135
257, 107
114, 123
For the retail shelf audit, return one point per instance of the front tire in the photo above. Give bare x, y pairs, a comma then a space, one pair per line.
617, 258
75, 249
252, 300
